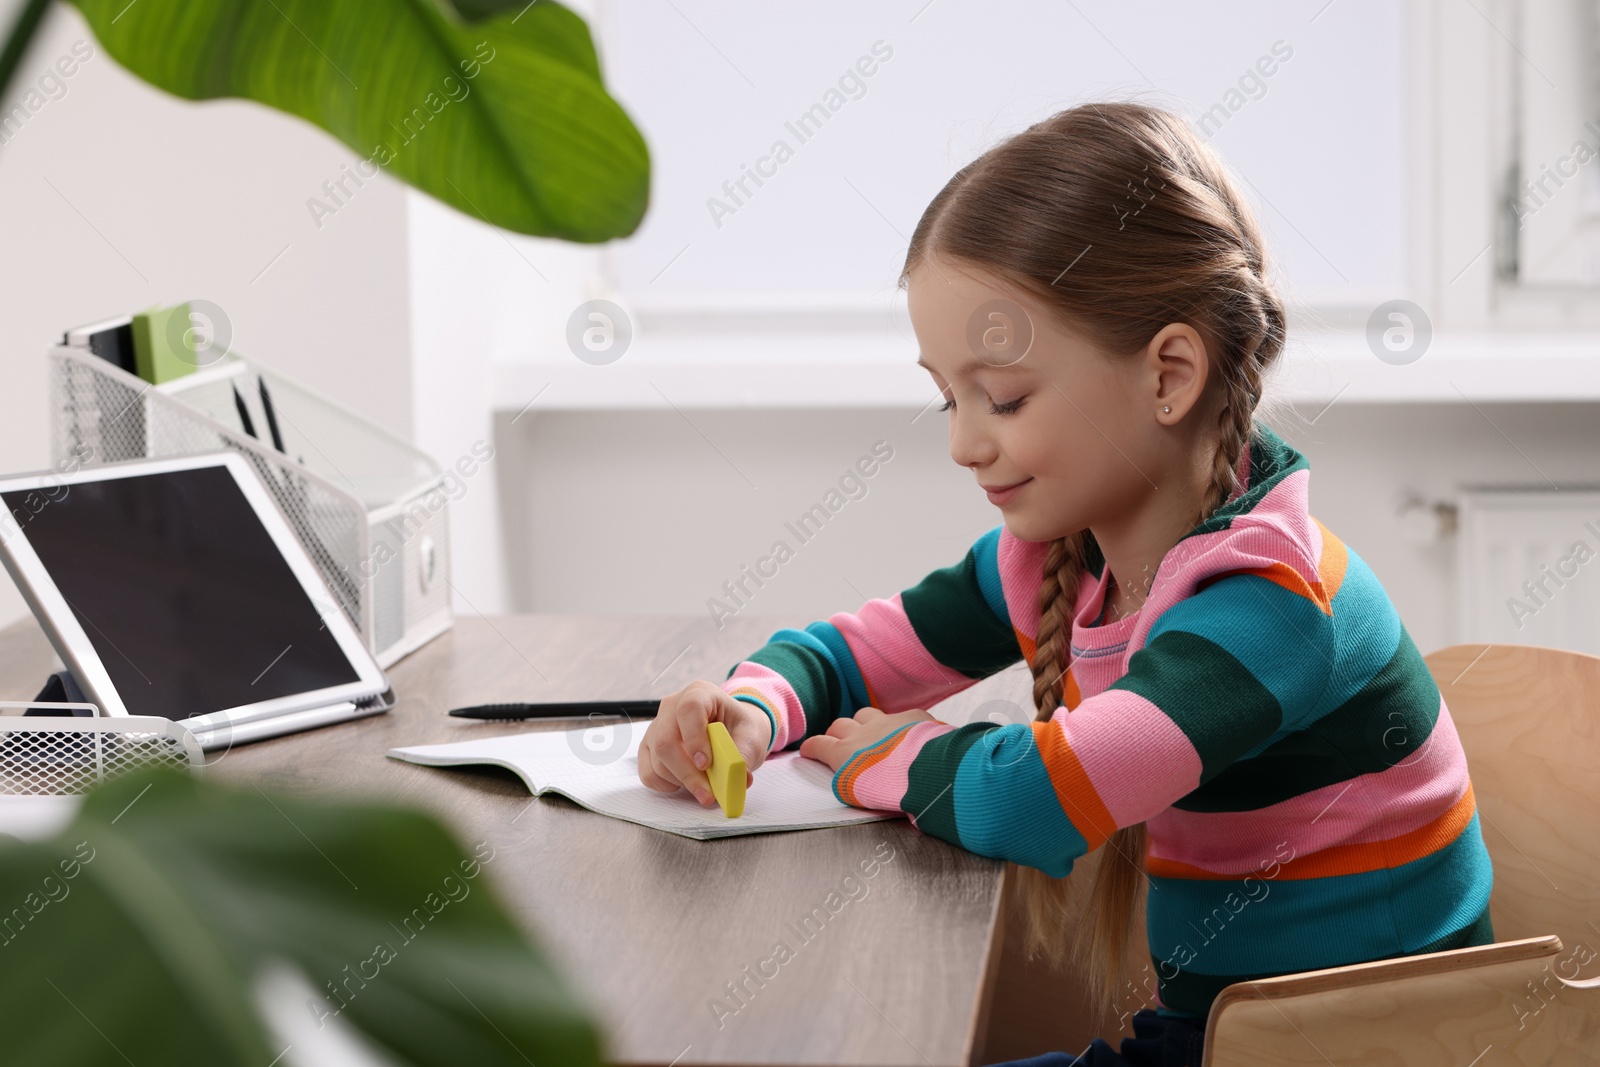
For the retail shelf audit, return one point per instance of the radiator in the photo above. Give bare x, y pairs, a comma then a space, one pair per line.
1529, 567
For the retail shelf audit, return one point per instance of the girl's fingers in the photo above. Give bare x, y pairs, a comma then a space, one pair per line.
672, 758
822, 748
750, 734
648, 775
869, 714
690, 717
841, 727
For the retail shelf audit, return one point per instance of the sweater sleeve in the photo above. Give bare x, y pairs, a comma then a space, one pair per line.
1222, 672
910, 651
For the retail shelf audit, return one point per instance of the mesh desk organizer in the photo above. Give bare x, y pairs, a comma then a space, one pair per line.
51, 756
369, 508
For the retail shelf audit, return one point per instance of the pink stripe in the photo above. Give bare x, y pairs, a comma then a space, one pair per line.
900, 672
1313, 541
886, 782
1135, 756
1021, 564
1192, 561
1372, 807
778, 692
1285, 509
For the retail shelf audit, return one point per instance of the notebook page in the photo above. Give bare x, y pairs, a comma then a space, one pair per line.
599, 769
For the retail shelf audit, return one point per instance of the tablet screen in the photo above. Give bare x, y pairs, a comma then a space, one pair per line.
183, 593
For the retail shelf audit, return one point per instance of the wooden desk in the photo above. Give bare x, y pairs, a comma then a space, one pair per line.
649, 927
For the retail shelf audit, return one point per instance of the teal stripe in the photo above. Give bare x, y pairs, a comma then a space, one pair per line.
1209, 695
1006, 806
1190, 993
1366, 634
1378, 727
1283, 639
853, 694
1259, 925
930, 791
986, 558
772, 719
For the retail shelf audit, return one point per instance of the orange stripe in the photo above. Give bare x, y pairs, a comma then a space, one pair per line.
1335, 559
1286, 576
1071, 695
766, 702
847, 784
1348, 859
1074, 791
1026, 643
872, 698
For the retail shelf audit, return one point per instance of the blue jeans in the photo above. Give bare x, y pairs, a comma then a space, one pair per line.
1157, 1041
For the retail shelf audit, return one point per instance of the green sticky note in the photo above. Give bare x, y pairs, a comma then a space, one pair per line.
163, 343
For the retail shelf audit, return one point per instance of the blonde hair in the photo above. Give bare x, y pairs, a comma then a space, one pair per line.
1121, 221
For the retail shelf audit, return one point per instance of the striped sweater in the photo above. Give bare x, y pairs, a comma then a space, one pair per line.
1265, 714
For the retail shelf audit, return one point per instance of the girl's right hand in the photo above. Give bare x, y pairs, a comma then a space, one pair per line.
675, 751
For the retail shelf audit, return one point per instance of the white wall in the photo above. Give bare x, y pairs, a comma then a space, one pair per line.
477, 294
116, 196
637, 511
713, 87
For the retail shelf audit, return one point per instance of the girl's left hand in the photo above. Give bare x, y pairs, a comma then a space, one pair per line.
846, 737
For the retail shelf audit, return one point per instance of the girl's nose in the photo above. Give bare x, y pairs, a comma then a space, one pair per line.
969, 445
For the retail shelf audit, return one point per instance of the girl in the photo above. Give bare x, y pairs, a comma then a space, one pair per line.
1226, 699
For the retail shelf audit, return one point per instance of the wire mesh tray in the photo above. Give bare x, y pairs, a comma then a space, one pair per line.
47, 755
371, 510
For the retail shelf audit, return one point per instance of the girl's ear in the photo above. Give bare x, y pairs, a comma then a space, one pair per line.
1178, 367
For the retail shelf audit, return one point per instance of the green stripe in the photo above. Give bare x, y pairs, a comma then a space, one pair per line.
1191, 992
954, 622
1220, 706
930, 788
1386, 721
808, 675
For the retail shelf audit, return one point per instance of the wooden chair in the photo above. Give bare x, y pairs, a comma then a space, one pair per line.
1529, 719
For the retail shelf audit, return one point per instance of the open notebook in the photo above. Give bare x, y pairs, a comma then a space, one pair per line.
598, 767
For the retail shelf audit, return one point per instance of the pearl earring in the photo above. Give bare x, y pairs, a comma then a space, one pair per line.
1166, 409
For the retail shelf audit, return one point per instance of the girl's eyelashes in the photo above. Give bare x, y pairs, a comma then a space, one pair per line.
1010, 407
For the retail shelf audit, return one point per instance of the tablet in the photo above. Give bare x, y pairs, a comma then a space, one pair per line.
176, 588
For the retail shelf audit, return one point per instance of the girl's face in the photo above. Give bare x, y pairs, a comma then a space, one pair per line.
1059, 436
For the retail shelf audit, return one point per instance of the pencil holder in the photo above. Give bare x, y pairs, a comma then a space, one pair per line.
370, 509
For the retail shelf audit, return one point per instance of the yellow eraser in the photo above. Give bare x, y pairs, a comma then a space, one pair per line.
726, 772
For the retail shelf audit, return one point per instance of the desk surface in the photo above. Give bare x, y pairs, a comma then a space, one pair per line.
651, 928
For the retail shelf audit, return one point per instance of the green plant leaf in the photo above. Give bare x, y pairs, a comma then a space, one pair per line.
473, 10
147, 928
505, 118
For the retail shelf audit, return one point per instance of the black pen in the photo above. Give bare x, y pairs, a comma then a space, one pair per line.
272, 416
581, 709
244, 414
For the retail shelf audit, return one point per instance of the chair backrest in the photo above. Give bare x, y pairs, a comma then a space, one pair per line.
1529, 720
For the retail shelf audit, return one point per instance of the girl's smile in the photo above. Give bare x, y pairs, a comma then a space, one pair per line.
1000, 495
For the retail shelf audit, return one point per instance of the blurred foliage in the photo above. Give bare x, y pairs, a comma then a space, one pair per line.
495, 108
160, 926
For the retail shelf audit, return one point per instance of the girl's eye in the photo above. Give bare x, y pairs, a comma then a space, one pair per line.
1008, 408
947, 405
